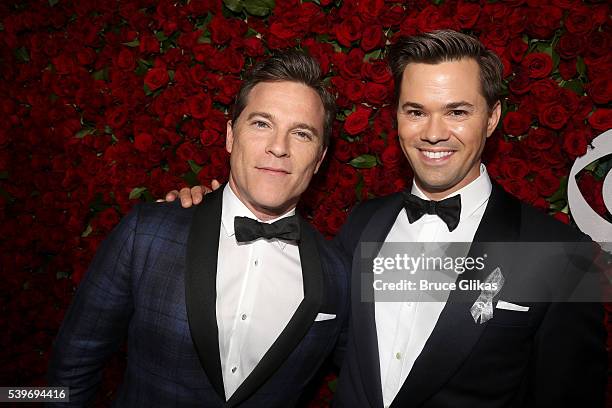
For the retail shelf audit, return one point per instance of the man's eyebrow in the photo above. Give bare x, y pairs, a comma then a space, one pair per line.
460, 104
414, 105
264, 115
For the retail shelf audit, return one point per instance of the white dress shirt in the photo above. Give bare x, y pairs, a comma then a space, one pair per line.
259, 288
404, 327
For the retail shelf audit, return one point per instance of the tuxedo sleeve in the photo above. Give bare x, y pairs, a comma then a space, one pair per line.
570, 359
97, 320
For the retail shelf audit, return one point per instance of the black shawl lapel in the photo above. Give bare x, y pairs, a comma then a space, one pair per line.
456, 333
363, 316
200, 286
299, 324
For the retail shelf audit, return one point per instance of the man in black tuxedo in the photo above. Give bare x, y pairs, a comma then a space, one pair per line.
236, 302
532, 350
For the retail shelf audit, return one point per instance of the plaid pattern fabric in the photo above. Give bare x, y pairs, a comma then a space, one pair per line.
135, 287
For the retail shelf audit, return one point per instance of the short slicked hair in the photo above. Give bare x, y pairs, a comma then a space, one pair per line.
447, 45
293, 66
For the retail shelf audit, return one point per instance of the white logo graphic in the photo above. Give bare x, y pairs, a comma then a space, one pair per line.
586, 218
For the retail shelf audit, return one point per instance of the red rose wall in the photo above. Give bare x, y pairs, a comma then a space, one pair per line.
105, 103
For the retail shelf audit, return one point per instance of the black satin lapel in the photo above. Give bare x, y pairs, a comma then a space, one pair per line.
362, 313
300, 323
201, 288
456, 333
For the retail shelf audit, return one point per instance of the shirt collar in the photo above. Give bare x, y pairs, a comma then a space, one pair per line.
473, 196
233, 207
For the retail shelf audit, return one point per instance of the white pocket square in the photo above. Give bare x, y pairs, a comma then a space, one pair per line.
511, 306
324, 316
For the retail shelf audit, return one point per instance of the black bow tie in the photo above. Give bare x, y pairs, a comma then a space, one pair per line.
448, 209
248, 229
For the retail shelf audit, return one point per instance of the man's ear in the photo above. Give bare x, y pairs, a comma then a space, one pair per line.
321, 159
229, 137
493, 119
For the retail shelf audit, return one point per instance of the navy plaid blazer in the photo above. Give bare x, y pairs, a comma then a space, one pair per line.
153, 280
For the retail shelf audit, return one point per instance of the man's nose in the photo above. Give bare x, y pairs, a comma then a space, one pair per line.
436, 130
278, 144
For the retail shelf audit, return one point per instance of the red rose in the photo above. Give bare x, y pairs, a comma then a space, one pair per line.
350, 65
391, 16
561, 216
199, 106
156, 78
520, 84
519, 188
253, 46
353, 89
148, 44
143, 142
537, 65
220, 32
600, 90
376, 94
517, 48
513, 168
372, 37
343, 150
392, 157
516, 123
467, 14
543, 21
570, 46
601, 119
377, 71
545, 91
579, 21
598, 44
553, 116
370, 9
349, 30
126, 60
567, 69
357, 121
547, 182
540, 138
575, 143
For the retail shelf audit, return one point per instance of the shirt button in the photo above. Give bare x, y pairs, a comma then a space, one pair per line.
256, 262
243, 317
398, 356
234, 369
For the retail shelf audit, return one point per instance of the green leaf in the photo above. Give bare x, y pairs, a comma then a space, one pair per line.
101, 75
84, 132
580, 67
137, 192
53, 2
4, 175
132, 44
555, 59
559, 195
160, 36
260, 8
194, 166
365, 161
22, 54
333, 384
373, 55
233, 5
87, 231
602, 169
575, 85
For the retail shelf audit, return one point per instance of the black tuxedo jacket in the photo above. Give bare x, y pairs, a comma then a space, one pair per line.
154, 280
552, 355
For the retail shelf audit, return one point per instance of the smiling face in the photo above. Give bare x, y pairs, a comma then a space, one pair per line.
443, 122
276, 146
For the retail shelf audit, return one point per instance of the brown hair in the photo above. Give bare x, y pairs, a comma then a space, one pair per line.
447, 45
294, 66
